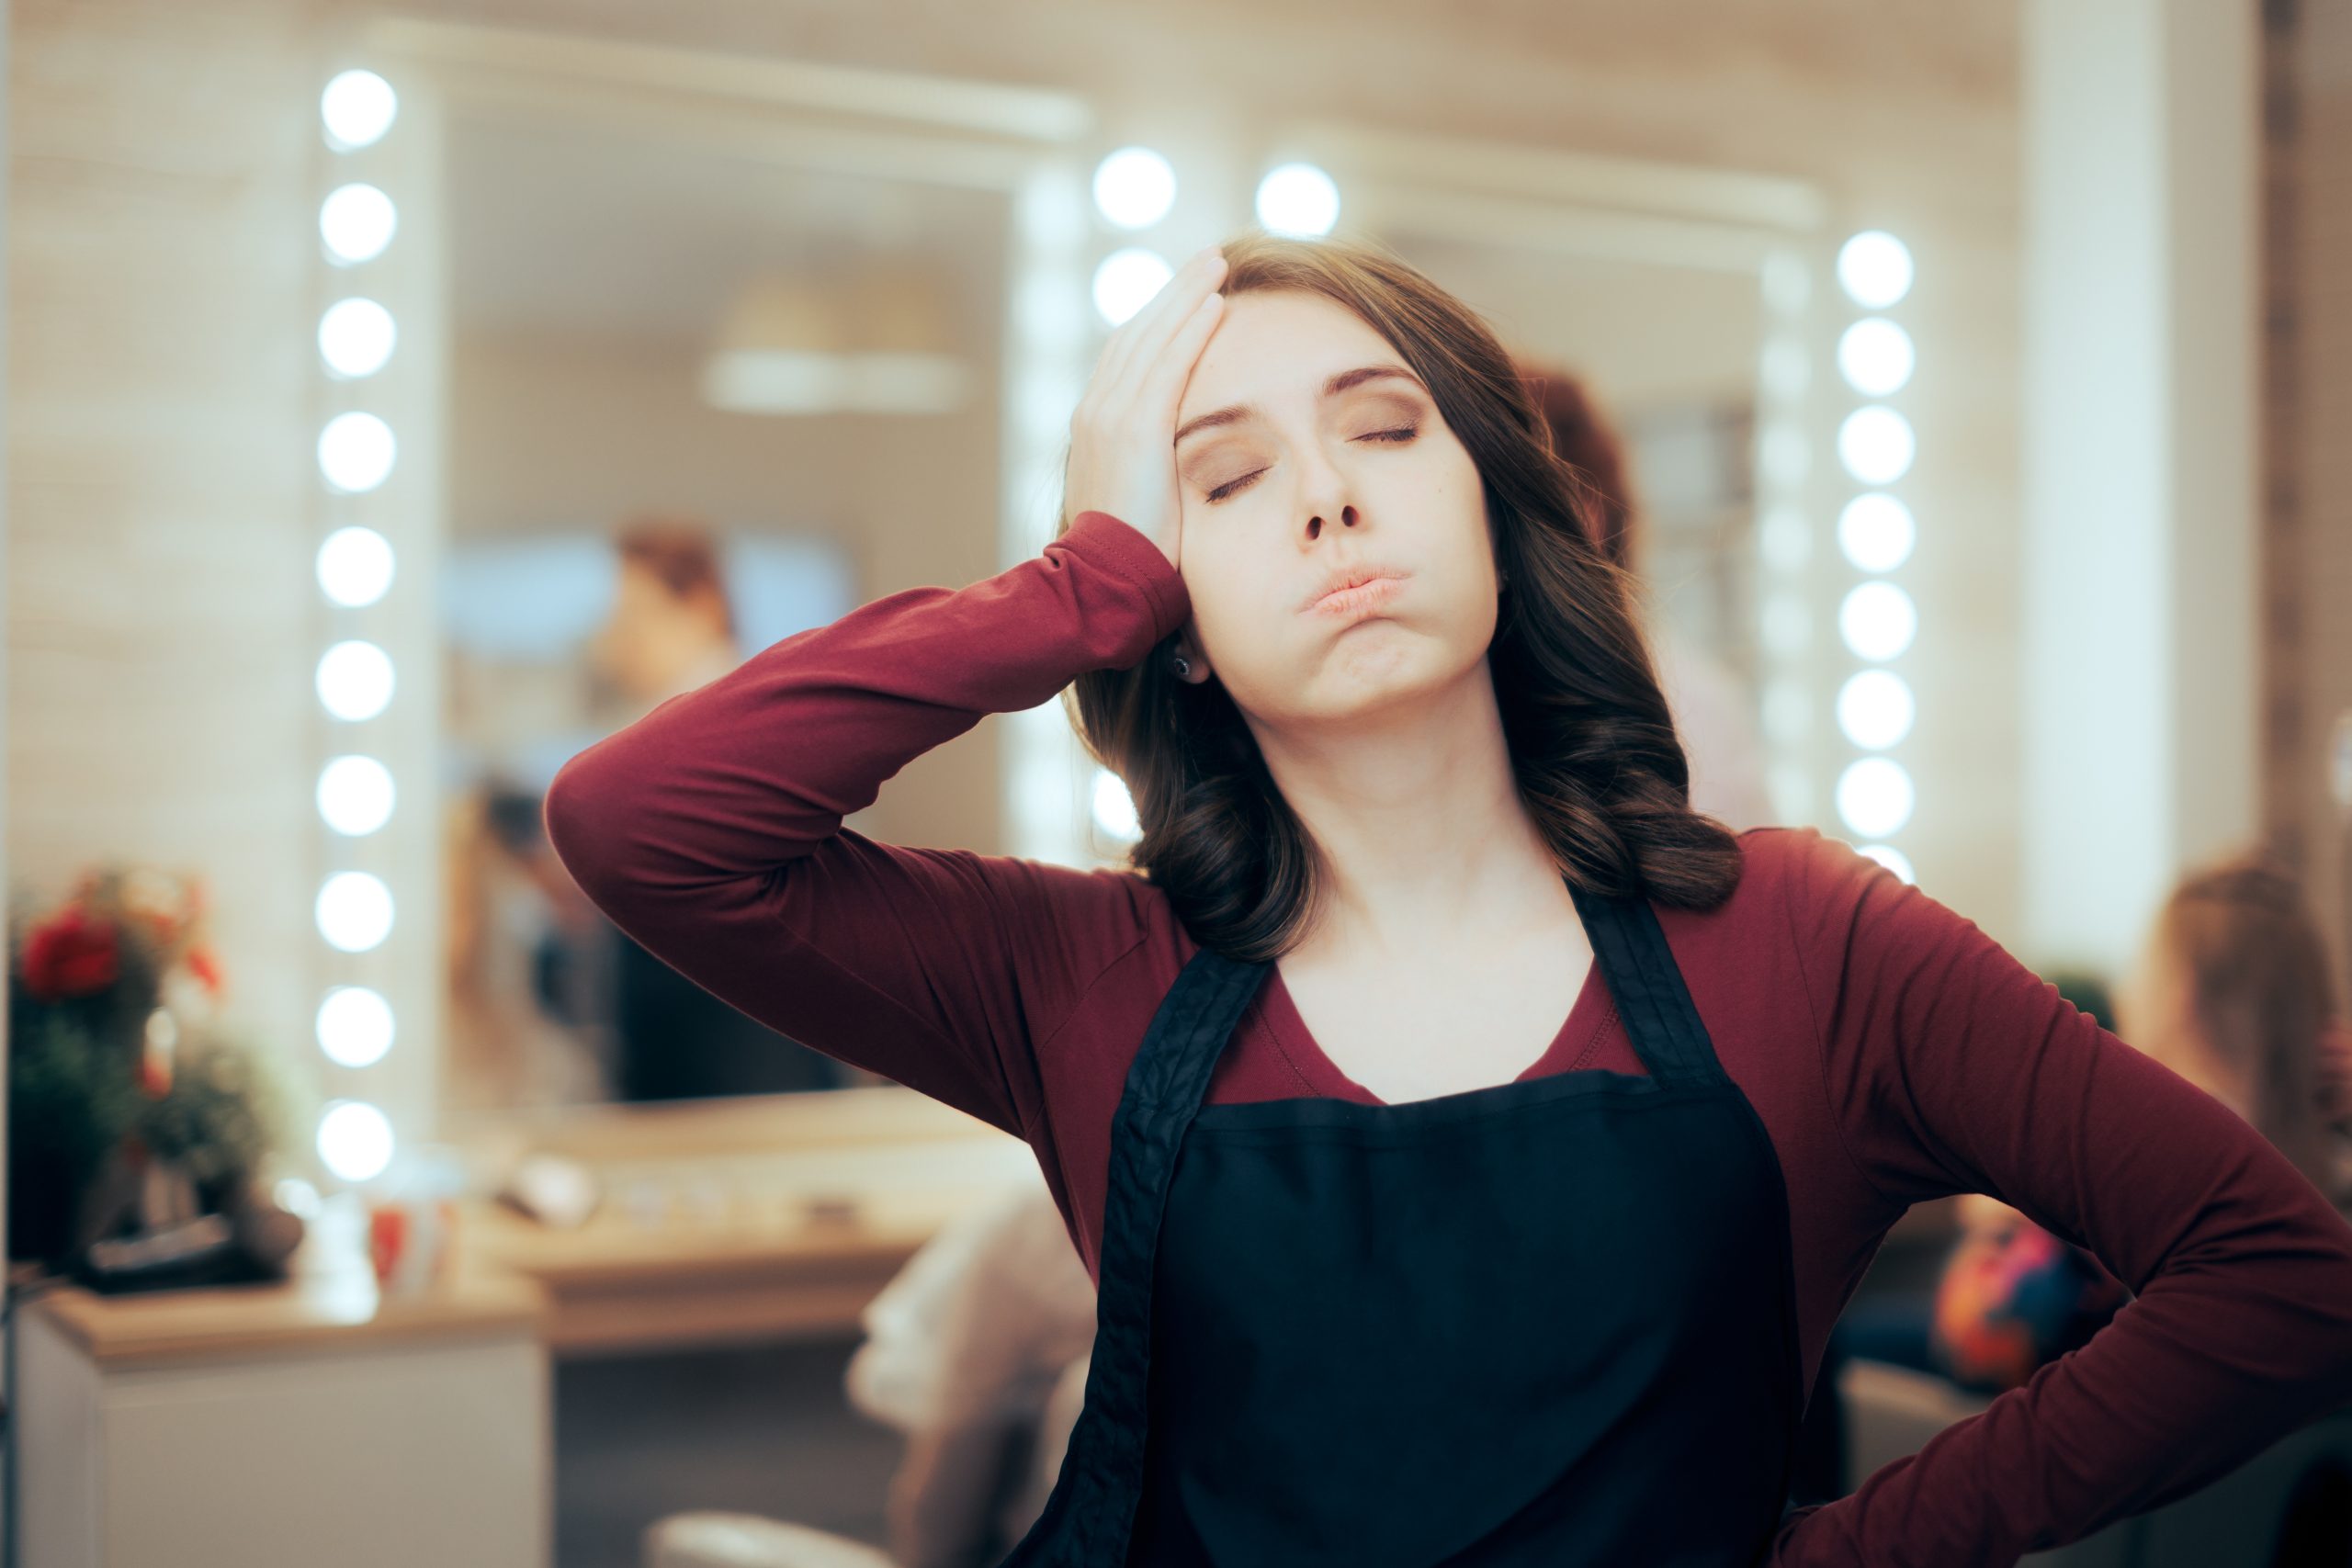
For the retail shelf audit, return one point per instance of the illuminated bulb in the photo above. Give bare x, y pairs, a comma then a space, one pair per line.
1875, 709
355, 1139
354, 796
355, 566
1895, 860
1876, 531
1875, 356
356, 221
355, 681
356, 337
1299, 198
1874, 796
1127, 281
1133, 187
354, 911
1784, 539
1115, 808
1878, 621
355, 1026
355, 452
358, 108
1874, 267
1876, 444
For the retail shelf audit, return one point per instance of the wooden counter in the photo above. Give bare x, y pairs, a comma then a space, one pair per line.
315, 1310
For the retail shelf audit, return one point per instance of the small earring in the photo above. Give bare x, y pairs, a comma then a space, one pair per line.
1184, 666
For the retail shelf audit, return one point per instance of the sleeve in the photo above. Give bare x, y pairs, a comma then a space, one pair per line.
1951, 1067
711, 830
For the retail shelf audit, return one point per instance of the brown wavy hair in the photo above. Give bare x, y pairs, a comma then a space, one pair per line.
1588, 440
1592, 741
2258, 985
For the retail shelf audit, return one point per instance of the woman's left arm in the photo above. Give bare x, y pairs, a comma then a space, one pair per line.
1951, 1067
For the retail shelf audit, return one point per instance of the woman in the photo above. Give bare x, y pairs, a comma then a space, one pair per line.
1532, 1127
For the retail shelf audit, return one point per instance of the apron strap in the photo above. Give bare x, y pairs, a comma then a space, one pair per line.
1089, 1517
1646, 985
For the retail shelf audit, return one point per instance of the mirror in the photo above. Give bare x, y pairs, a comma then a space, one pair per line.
711, 375
671, 374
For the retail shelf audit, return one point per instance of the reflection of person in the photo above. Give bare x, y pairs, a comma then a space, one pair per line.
1713, 715
525, 1026
671, 630
1439, 1275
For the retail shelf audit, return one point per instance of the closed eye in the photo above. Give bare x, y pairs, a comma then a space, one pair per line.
1394, 438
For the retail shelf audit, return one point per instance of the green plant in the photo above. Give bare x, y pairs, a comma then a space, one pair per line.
115, 1044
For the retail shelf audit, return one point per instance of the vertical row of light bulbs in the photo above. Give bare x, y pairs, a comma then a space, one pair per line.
355, 452
1877, 619
1134, 190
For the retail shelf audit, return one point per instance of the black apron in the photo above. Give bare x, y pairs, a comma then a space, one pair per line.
1544, 1324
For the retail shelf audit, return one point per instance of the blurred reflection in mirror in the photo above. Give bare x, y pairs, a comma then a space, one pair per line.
555, 640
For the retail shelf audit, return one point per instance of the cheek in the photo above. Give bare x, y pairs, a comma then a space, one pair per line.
1234, 611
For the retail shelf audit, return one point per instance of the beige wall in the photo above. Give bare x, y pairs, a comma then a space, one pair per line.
2307, 461
160, 614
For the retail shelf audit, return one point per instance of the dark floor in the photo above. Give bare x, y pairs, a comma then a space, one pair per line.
764, 1430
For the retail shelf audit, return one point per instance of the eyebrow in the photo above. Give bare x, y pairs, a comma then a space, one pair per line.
1239, 412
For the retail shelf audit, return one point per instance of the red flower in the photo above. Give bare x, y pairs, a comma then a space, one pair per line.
71, 954
205, 964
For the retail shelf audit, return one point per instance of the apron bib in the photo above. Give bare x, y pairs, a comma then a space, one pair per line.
1546, 1323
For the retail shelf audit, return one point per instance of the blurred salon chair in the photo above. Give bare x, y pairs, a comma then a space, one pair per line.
978, 1351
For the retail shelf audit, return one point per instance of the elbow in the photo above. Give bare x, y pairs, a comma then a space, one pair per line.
578, 816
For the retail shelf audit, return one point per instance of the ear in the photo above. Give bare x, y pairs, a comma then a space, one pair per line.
1188, 648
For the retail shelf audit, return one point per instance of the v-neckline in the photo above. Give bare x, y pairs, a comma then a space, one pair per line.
1325, 1077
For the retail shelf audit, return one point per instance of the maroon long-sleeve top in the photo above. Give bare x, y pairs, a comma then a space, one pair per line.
1895, 1052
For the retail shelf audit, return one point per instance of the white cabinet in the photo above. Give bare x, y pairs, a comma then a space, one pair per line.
260, 1429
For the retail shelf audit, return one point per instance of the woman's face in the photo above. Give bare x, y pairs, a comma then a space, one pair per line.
1290, 485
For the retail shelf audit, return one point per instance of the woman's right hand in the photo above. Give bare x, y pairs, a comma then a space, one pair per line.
1122, 437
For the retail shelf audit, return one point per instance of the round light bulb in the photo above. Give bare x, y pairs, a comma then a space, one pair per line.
355, 1139
1127, 281
356, 108
1874, 796
354, 911
355, 1026
354, 796
1878, 621
1135, 188
1874, 269
355, 566
355, 452
1299, 198
356, 337
1876, 444
356, 221
1876, 531
1875, 356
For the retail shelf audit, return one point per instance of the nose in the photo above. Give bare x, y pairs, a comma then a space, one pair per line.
1345, 513
1323, 493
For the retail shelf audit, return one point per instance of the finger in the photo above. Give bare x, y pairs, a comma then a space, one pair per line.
1163, 386
1139, 339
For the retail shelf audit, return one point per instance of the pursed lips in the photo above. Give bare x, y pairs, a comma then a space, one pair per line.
1358, 591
